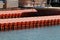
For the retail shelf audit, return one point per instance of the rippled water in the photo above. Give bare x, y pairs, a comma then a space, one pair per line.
47, 33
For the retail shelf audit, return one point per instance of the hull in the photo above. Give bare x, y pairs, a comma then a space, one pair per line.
47, 11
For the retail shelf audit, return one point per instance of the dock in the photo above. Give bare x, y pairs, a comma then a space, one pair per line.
28, 22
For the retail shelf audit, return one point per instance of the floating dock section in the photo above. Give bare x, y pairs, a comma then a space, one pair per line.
6, 14
29, 22
17, 13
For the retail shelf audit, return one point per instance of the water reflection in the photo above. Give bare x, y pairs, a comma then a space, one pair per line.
47, 33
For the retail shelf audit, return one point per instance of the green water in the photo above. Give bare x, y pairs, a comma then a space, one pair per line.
47, 33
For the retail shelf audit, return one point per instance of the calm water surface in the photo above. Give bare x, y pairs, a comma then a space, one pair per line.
47, 33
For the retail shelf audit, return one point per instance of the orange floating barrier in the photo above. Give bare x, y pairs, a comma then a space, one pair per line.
28, 22
17, 13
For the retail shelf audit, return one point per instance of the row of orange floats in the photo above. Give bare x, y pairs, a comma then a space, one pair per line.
17, 13
13, 21
28, 24
3, 16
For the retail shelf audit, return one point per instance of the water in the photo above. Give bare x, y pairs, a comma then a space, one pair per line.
47, 33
